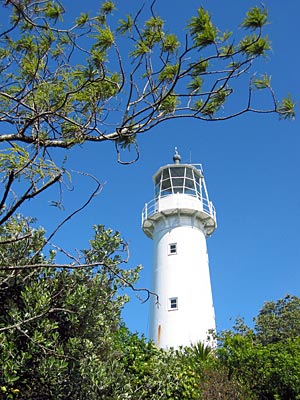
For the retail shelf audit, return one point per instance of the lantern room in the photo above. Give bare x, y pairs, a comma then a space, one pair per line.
172, 179
179, 189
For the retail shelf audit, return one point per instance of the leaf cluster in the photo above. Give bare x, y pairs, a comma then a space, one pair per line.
202, 29
266, 360
57, 325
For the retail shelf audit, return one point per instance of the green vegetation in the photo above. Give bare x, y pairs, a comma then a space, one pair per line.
61, 335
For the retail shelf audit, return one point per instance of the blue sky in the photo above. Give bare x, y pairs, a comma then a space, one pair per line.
251, 165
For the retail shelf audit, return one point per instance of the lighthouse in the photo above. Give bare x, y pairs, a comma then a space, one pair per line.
178, 220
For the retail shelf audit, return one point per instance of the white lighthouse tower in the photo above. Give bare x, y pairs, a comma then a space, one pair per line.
179, 219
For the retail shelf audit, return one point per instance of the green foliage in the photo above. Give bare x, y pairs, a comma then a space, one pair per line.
263, 82
19, 160
195, 85
278, 320
206, 38
82, 19
202, 29
127, 139
169, 73
52, 101
215, 102
198, 23
169, 104
61, 334
199, 67
154, 24
270, 371
30, 168
105, 39
266, 361
227, 51
218, 383
125, 25
256, 18
170, 43
167, 374
286, 108
107, 7
198, 105
141, 49
254, 45
57, 326
153, 33
53, 10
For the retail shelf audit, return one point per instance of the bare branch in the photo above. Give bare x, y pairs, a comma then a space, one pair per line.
33, 318
15, 239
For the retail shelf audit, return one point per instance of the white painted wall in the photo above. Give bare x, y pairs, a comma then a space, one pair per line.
184, 275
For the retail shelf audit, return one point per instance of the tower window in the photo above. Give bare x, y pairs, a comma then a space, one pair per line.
173, 303
172, 248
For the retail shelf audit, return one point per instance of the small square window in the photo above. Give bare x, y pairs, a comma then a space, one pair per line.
172, 248
173, 303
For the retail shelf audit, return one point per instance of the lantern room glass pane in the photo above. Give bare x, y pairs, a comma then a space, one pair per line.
175, 172
157, 179
189, 187
166, 184
165, 174
166, 192
189, 183
189, 173
177, 182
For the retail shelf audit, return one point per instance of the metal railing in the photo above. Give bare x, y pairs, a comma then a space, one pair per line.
153, 206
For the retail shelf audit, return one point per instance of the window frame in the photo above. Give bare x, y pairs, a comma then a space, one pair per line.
173, 304
172, 248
